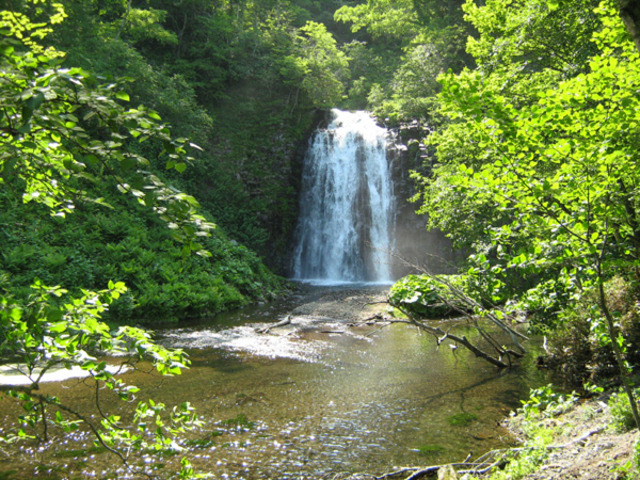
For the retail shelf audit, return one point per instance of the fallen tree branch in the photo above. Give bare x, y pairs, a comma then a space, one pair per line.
581, 438
439, 333
402, 471
482, 465
373, 332
373, 303
466, 305
281, 323
372, 318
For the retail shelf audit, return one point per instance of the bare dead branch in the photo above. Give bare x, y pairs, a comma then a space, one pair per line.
465, 305
281, 323
374, 303
439, 333
483, 464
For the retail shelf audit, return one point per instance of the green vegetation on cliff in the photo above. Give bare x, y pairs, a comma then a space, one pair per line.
71, 143
241, 79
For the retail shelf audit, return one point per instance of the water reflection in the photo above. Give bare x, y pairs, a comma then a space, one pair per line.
356, 403
300, 403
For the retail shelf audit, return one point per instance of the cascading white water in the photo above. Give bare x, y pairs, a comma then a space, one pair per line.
344, 231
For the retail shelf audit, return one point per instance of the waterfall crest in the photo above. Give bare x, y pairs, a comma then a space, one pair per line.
344, 231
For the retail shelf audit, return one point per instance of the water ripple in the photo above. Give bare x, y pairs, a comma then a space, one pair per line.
245, 339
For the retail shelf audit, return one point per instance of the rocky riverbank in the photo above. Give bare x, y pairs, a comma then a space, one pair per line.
351, 305
582, 445
579, 444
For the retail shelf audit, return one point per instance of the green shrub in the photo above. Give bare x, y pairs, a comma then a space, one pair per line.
546, 401
580, 345
426, 297
621, 415
96, 245
636, 457
122, 308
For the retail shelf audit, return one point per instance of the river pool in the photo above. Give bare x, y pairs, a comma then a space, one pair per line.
307, 401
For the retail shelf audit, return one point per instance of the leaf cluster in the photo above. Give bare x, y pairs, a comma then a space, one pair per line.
59, 125
53, 330
544, 183
399, 50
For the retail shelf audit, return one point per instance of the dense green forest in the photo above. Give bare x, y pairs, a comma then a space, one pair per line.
158, 144
244, 82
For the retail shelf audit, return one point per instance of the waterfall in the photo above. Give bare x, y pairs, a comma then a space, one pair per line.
344, 231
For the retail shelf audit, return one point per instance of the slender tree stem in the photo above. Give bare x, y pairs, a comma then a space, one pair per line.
617, 351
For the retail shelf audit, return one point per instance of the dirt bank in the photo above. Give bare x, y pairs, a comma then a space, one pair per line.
588, 449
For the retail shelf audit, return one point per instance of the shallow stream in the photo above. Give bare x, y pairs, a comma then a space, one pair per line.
317, 397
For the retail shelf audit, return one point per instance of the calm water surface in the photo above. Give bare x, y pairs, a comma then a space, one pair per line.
308, 404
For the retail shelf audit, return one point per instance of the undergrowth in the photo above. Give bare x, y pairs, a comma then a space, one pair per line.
580, 350
543, 403
128, 243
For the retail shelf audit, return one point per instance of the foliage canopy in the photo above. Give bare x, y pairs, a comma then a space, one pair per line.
538, 168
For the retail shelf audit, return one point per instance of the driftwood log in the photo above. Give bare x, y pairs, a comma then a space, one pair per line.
281, 323
481, 466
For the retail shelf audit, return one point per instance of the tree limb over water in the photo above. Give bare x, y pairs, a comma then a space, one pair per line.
454, 298
502, 358
441, 336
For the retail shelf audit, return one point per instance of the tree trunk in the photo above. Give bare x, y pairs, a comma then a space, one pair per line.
617, 350
630, 14
125, 18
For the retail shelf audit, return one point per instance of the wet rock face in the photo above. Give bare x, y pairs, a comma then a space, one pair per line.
414, 245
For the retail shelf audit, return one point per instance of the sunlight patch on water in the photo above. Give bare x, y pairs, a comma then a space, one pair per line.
14, 374
245, 339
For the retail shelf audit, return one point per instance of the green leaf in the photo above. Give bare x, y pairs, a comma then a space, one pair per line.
58, 327
54, 315
35, 101
6, 50
26, 128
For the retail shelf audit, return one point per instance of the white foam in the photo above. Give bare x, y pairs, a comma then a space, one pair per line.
245, 339
16, 374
